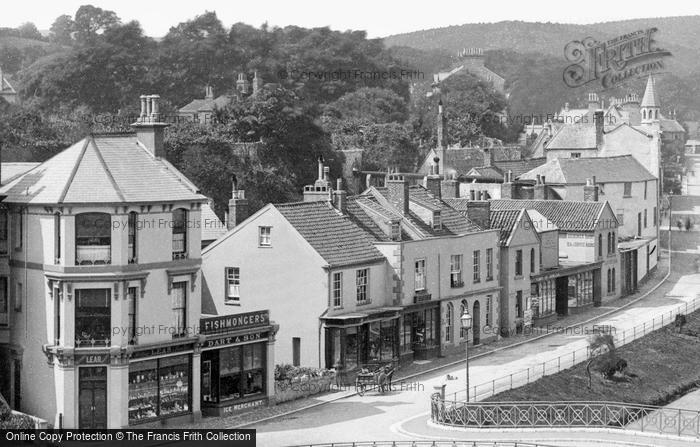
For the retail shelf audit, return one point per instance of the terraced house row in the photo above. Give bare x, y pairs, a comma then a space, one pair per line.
124, 300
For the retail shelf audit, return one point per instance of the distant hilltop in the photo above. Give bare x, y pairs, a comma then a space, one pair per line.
677, 34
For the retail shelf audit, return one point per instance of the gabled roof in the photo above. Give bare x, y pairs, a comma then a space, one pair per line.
462, 159
574, 136
505, 220
484, 173
197, 105
616, 169
568, 215
102, 169
651, 97
334, 236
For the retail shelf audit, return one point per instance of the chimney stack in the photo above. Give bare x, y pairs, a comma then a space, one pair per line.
209, 92
242, 84
593, 103
479, 212
237, 206
599, 120
397, 186
590, 191
150, 131
540, 189
321, 189
257, 83
433, 181
340, 197
508, 187
441, 136
450, 188
488, 157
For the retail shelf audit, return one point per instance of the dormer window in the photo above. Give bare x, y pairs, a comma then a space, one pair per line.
180, 234
437, 220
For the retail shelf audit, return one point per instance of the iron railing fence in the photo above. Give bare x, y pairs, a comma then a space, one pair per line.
644, 418
565, 361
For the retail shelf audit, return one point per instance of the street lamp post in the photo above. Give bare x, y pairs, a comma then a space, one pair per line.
466, 324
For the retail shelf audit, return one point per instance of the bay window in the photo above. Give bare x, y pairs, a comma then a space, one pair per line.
93, 239
179, 234
92, 317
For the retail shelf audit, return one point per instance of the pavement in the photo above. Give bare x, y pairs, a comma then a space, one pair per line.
403, 413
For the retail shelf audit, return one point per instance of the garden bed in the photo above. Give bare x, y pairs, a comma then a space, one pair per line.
662, 366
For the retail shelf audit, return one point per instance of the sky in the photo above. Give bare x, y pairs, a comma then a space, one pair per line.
379, 18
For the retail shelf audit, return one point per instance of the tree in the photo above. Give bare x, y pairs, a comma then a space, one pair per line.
91, 21
372, 105
603, 357
28, 30
62, 29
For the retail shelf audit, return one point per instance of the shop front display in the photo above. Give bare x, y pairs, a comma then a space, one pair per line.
235, 363
420, 333
353, 344
159, 388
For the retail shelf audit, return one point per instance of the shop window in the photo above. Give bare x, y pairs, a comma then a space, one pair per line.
388, 331
456, 271
93, 239
92, 317
180, 234
352, 343
159, 388
233, 285
3, 231
179, 309
4, 302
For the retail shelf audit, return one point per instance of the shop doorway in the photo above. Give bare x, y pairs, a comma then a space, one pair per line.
92, 397
476, 323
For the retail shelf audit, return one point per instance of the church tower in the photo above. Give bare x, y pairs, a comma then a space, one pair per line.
650, 107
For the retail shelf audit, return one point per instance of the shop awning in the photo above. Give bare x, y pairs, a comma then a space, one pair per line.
358, 318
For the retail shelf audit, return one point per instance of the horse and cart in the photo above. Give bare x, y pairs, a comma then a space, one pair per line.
379, 379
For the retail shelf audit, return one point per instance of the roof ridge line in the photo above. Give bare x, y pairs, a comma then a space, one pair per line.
74, 170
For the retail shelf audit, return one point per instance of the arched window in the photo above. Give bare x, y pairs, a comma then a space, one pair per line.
600, 245
644, 114
449, 317
609, 281
613, 280
614, 243
609, 239
180, 233
93, 238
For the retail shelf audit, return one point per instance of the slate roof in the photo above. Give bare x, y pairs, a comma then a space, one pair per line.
335, 237
206, 104
212, 227
616, 169
102, 169
574, 136
12, 170
505, 221
519, 167
651, 97
453, 222
484, 173
669, 125
463, 159
568, 215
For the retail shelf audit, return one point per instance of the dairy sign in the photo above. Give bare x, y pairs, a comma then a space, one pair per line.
614, 61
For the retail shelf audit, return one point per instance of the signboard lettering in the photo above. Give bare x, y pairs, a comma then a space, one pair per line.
227, 323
